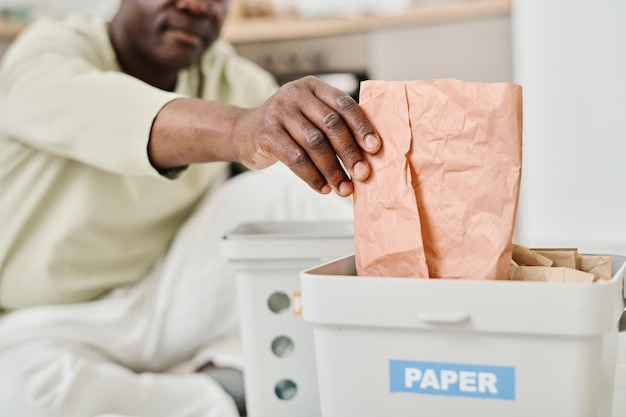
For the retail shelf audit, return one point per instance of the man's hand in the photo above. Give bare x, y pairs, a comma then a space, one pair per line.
308, 125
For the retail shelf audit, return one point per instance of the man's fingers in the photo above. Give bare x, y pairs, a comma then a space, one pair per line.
363, 131
317, 131
347, 128
299, 161
321, 152
340, 140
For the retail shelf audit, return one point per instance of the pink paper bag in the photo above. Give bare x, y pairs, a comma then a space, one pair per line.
442, 197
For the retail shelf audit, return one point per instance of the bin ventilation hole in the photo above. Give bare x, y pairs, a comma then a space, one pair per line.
278, 302
286, 389
282, 346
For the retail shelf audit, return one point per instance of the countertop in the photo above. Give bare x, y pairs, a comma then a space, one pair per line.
269, 29
239, 31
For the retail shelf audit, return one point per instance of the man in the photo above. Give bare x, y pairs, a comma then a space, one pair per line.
113, 148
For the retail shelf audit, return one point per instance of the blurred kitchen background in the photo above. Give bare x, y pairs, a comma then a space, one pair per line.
568, 55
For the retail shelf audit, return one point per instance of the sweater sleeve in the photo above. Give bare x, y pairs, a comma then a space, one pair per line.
61, 93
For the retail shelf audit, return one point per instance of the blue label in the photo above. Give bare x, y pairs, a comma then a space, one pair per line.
452, 379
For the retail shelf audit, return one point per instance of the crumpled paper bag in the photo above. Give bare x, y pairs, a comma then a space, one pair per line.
561, 257
442, 196
523, 256
551, 274
600, 266
558, 265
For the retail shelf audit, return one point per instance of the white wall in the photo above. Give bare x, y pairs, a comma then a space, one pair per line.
473, 49
570, 58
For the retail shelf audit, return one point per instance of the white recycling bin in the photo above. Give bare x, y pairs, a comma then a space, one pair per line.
280, 372
441, 347
619, 398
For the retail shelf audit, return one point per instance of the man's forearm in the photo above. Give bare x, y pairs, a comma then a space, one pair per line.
313, 128
190, 131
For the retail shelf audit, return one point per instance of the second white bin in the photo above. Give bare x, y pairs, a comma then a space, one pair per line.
280, 372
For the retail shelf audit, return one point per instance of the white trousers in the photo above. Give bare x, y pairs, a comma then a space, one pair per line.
114, 356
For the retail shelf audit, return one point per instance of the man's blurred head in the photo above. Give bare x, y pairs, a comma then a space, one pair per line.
167, 34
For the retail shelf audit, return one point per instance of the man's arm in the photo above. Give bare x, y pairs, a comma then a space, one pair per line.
307, 125
60, 93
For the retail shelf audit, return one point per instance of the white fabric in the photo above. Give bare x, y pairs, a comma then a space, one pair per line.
76, 182
109, 356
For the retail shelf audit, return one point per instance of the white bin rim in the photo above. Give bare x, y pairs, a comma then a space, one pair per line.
293, 230
332, 294
288, 240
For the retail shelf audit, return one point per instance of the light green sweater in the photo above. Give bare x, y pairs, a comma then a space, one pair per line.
81, 208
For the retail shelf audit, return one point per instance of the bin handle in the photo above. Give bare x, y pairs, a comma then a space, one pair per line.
444, 317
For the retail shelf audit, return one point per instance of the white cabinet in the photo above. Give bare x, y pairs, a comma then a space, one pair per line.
468, 49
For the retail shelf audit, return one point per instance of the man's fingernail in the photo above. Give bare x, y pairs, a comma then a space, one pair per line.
361, 170
326, 189
345, 188
372, 142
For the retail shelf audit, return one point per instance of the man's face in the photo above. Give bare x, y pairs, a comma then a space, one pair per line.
171, 34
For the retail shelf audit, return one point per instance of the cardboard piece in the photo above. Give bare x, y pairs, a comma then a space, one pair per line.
567, 265
551, 274
443, 193
600, 266
524, 256
565, 257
